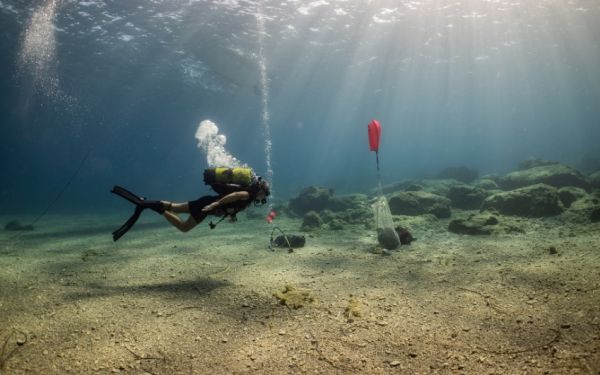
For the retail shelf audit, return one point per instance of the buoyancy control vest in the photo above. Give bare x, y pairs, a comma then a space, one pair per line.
227, 180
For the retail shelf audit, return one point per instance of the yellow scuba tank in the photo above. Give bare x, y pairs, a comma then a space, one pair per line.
225, 176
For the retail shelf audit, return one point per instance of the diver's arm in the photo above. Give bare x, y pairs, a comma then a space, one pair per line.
229, 198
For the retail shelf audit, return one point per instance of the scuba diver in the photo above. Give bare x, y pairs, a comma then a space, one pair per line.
237, 188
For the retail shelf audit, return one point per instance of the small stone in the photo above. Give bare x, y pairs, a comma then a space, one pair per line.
552, 250
21, 341
395, 363
281, 332
224, 341
565, 326
45, 352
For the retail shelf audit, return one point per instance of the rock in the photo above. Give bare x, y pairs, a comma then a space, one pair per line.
462, 174
418, 203
354, 309
534, 162
594, 179
336, 224
585, 210
533, 201
405, 236
348, 202
440, 187
355, 216
570, 194
413, 187
15, 225
481, 224
312, 198
312, 221
293, 297
435, 186
556, 175
486, 184
388, 238
467, 197
338, 220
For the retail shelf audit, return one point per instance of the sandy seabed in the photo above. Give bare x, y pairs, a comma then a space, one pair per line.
163, 302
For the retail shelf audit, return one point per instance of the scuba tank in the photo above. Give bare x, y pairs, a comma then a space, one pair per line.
238, 176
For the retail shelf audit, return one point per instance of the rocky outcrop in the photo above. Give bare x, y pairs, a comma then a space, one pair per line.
484, 223
348, 209
312, 198
481, 224
435, 186
418, 203
556, 175
570, 194
312, 221
533, 201
534, 162
594, 179
348, 202
486, 184
585, 210
467, 197
462, 174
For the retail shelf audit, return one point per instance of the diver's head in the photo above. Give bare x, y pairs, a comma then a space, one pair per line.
264, 190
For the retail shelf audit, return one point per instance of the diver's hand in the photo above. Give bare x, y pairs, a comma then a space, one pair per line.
210, 207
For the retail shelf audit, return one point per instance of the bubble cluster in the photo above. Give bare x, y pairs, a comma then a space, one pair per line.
213, 145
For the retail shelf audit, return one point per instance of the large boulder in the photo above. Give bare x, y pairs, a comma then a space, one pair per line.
570, 194
349, 202
467, 197
585, 210
485, 223
418, 203
486, 184
533, 201
481, 224
312, 198
594, 179
556, 175
534, 162
312, 221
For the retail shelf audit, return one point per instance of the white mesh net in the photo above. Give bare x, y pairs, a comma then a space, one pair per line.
384, 224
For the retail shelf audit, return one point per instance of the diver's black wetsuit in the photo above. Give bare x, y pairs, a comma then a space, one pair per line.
195, 207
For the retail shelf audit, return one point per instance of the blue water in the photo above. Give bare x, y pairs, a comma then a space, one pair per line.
483, 84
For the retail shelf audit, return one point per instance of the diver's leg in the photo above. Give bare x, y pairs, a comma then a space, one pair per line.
176, 221
178, 208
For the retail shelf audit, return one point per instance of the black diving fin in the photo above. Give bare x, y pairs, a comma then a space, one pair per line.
128, 224
140, 203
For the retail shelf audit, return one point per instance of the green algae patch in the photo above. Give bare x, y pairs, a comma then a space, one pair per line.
293, 297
